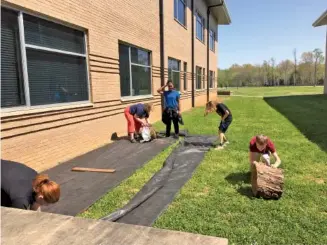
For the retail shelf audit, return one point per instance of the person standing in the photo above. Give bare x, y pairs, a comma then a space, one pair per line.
172, 107
23, 188
134, 115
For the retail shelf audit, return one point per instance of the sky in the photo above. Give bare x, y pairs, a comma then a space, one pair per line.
262, 29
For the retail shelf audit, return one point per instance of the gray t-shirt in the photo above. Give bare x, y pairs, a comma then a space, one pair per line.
16, 185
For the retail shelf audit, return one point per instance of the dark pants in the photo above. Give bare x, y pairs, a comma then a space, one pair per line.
168, 125
168, 116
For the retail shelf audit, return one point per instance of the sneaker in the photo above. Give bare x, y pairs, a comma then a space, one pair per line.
176, 136
219, 147
226, 142
133, 141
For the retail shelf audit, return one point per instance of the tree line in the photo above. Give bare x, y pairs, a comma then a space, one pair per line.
308, 70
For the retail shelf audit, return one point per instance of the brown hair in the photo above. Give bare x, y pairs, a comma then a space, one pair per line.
261, 139
148, 107
50, 190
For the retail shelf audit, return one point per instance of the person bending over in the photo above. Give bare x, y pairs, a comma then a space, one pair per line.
23, 188
226, 119
134, 115
260, 150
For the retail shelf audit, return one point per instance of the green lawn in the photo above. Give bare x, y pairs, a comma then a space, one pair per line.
217, 199
276, 91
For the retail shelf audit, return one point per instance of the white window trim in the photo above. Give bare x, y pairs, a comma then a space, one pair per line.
24, 46
135, 97
184, 1
196, 80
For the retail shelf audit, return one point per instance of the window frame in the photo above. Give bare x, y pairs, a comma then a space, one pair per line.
199, 76
197, 14
135, 97
23, 61
185, 85
176, 13
172, 71
212, 77
212, 35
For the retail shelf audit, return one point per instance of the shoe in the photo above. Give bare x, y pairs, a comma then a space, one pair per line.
133, 141
176, 136
226, 142
219, 147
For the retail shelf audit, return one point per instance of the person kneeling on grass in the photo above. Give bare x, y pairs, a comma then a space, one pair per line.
261, 147
23, 188
226, 119
134, 115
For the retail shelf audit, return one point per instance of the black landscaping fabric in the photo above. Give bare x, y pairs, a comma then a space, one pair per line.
79, 190
146, 206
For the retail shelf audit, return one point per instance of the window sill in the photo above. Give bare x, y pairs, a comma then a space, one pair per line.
199, 90
201, 41
140, 97
24, 110
181, 23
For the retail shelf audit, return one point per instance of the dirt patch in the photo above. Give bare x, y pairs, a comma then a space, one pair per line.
317, 180
204, 192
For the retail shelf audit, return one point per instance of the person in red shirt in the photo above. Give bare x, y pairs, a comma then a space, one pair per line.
261, 147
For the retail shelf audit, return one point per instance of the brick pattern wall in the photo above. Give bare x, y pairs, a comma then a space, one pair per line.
43, 139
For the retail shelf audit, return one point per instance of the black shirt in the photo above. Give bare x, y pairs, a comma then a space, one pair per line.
221, 110
16, 185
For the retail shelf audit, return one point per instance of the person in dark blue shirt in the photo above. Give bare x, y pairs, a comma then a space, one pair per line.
172, 107
134, 115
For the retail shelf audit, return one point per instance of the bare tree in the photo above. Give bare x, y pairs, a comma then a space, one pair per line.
318, 59
285, 66
295, 64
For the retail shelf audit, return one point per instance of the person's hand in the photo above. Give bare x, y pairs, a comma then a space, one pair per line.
179, 113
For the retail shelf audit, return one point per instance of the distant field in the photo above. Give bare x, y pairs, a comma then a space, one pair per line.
276, 91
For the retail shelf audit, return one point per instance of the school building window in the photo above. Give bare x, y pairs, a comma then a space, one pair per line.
198, 77
180, 11
211, 79
204, 77
42, 62
212, 39
185, 76
174, 72
199, 27
135, 71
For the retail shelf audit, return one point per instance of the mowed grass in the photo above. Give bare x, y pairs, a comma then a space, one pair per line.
217, 200
276, 91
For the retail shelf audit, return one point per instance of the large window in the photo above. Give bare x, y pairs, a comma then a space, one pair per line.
41, 62
212, 39
135, 71
174, 72
204, 78
180, 11
211, 79
199, 27
185, 76
198, 77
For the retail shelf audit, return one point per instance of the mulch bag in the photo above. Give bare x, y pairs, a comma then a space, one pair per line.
146, 134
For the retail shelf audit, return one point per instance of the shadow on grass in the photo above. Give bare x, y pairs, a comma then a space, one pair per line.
238, 179
307, 112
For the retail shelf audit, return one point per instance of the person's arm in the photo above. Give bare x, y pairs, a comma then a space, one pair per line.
225, 115
179, 105
147, 120
139, 120
252, 158
162, 89
21, 203
277, 160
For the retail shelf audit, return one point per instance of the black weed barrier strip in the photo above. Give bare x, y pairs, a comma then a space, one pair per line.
146, 206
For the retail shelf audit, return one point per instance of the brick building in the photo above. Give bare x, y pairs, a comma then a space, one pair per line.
69, 68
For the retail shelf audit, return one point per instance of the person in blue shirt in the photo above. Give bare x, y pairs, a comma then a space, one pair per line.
172, 107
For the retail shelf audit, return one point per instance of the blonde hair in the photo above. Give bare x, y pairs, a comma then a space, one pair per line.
261, 139
148, 107
50, 190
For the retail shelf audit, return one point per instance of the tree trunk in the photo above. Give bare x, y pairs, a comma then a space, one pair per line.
267, 182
